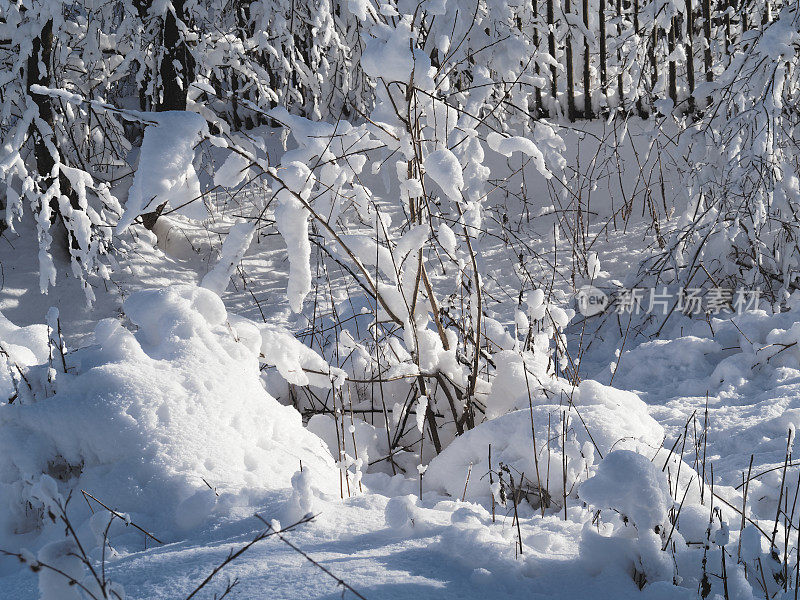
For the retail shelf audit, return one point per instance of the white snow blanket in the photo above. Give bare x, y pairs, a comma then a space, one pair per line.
149, 422
598, 419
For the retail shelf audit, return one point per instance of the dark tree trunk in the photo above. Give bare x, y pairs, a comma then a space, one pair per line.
620, 100
653, 66
177, 64
745, 22
571, 112
538, 93
142, 7
707, 34
588, 113
603, 58
234, 83
690, 53
551, 48
42, 54
673, 68
728, 40
639, 104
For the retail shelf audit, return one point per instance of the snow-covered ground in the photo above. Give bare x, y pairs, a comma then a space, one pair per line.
164, 416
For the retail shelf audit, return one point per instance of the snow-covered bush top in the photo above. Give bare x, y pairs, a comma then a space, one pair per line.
147, 421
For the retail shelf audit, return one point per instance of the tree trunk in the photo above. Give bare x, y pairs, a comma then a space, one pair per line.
177, 65
728, 40
234, 83
690, 53
145, 104
603, 58
551, 48
653, 65
538, 93
639, 105
42, 54
571, 112
707, 34
588, 113
620, 101
673, 75
745, 22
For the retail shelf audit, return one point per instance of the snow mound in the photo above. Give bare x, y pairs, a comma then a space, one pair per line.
682, 365
19, 347
148, 422
630, 483
599, 418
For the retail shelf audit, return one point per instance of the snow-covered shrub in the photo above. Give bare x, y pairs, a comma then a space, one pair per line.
165, 172
148, 421
64, 556
429, 335
56, 161
570, 427
630, 484
237, 59
20, 348
65, 567
740, 172
63, 157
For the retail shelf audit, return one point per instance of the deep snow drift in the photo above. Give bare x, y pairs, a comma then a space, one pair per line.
162, 414
170, 424
150, 421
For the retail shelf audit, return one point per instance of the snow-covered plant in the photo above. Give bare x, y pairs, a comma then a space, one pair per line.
415, 251
741, 172
309, 52
56, 160
630, 484
231, 61
66, 568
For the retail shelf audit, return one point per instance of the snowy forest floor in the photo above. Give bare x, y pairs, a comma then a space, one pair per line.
382, 542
